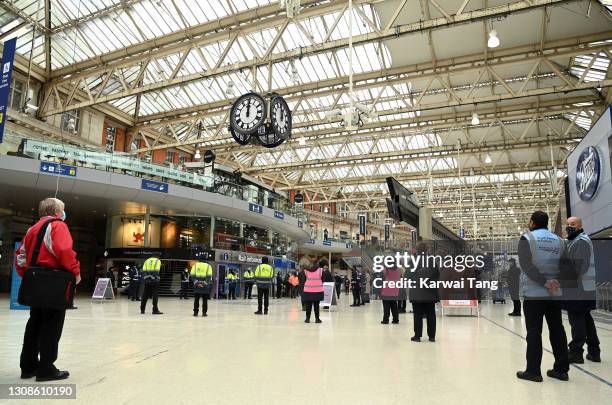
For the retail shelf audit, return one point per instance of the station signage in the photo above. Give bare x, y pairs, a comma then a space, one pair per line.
156, 186
299, 198
588, 171
256, 208
362, 224
326, 243
242, 257
58, 169
279, 215
6, 71
349, 245
387, 232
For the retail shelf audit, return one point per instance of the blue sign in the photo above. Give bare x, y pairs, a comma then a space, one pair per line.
300, 224
311, 241
151, 185
588, 170
349, 245
55, 168
225, 256
8, 55
327, 243
279, 215
462, 232
15, 284
256, 208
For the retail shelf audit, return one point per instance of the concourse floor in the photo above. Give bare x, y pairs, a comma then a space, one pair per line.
116, 355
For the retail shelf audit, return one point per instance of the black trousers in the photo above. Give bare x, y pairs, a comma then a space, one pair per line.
196, 302
279, 290
231, 291
42, 335
338, 287
150, 291
309, 306
428, 310
133, 289
263, 296
517, 307
583, 331
356, 296
401, 306
248, 289
535, 312
184, 287
390, 306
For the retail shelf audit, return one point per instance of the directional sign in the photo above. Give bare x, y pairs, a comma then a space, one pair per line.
256, 208
279, 215
362, 224
156, 186
56, 168
6, 71
387, 232
349, 245
327, 243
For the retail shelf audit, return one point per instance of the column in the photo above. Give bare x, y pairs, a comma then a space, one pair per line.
425, 223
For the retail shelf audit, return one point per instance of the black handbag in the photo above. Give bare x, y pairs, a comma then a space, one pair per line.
46, 287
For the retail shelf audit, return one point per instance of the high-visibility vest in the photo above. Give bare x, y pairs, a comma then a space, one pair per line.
231, 278
314, 282
201, 274
547, 250
247, 275
150, 268
201, 270
263, 275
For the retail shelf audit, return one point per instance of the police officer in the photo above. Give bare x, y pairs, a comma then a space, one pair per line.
134, 274
248, 283
201, 276
263, 275
356, 287
150, 275
542, 257
581, 299
231, 286
184, 283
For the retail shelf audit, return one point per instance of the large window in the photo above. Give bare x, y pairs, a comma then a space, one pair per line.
71, 121
111, 133
17, 94
227, 234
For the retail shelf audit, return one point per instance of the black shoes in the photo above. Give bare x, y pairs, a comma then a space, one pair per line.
142, 311
57, 375
432, 339
514, 314
157, 313
258, 313
384, 322
415, 339
318, 321
395, 321
575, 358
25, 376
524, 375
266, 312
558, 375
594, 358
204, 314
195, 314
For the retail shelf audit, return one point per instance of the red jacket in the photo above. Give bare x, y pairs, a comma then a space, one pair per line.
55, 251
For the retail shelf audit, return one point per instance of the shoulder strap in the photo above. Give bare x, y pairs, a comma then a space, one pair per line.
39, 239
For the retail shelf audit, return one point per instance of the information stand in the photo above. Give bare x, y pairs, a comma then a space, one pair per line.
329, 295
471, 304
103, 290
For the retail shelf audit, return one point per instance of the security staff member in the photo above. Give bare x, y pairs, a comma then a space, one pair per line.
201, 275
248, 283
356, 287
542, 257
134, 274
231, 287
150, 273
581, 299
184, 283
263, 275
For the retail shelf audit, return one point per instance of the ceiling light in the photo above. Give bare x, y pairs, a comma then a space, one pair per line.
506, 200
302, 141
515, 220
475, 119
493, 41
488, 159
197, 154
511, 211
229, 91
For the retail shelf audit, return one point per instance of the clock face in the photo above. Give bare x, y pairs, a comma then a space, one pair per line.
281, 118
242, 139
247, 114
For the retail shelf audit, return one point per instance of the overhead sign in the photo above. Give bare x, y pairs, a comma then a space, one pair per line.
279, 215
56, 168
248, 258
256, 208
588, 170
413, 237
326, 243
311, 241
387, 232
349, 245
462, 232
8, 55
151, 185
299, 198
113, 160
362, 224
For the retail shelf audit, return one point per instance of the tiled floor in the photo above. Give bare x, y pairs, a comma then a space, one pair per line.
116, 355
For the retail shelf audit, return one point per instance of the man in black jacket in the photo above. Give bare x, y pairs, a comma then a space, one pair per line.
356, 287
514, 275
424, 299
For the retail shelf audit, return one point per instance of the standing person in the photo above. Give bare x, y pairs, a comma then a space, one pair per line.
134, 288
294, 280
263, 275
150, 271
231, 286
44, 328
583, 296
514, 275
184, 283
110, 274
389, 293
201, 276
347, 285
248, 283
338, 284
301, 278
279, 285
356, 287
403, 294
327, 275
542, 257
312, 294
423, 299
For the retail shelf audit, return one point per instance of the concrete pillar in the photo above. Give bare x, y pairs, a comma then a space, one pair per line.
146, 230
425, 223
212, 232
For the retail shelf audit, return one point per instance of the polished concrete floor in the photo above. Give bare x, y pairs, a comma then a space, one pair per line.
116, 355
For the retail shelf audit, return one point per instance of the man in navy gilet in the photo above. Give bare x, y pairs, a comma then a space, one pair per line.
543, 259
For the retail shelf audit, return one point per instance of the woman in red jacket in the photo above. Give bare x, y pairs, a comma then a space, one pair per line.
44, 328
313, 288
390, 294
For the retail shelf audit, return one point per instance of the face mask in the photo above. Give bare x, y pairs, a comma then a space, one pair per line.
63, 217
570, 230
